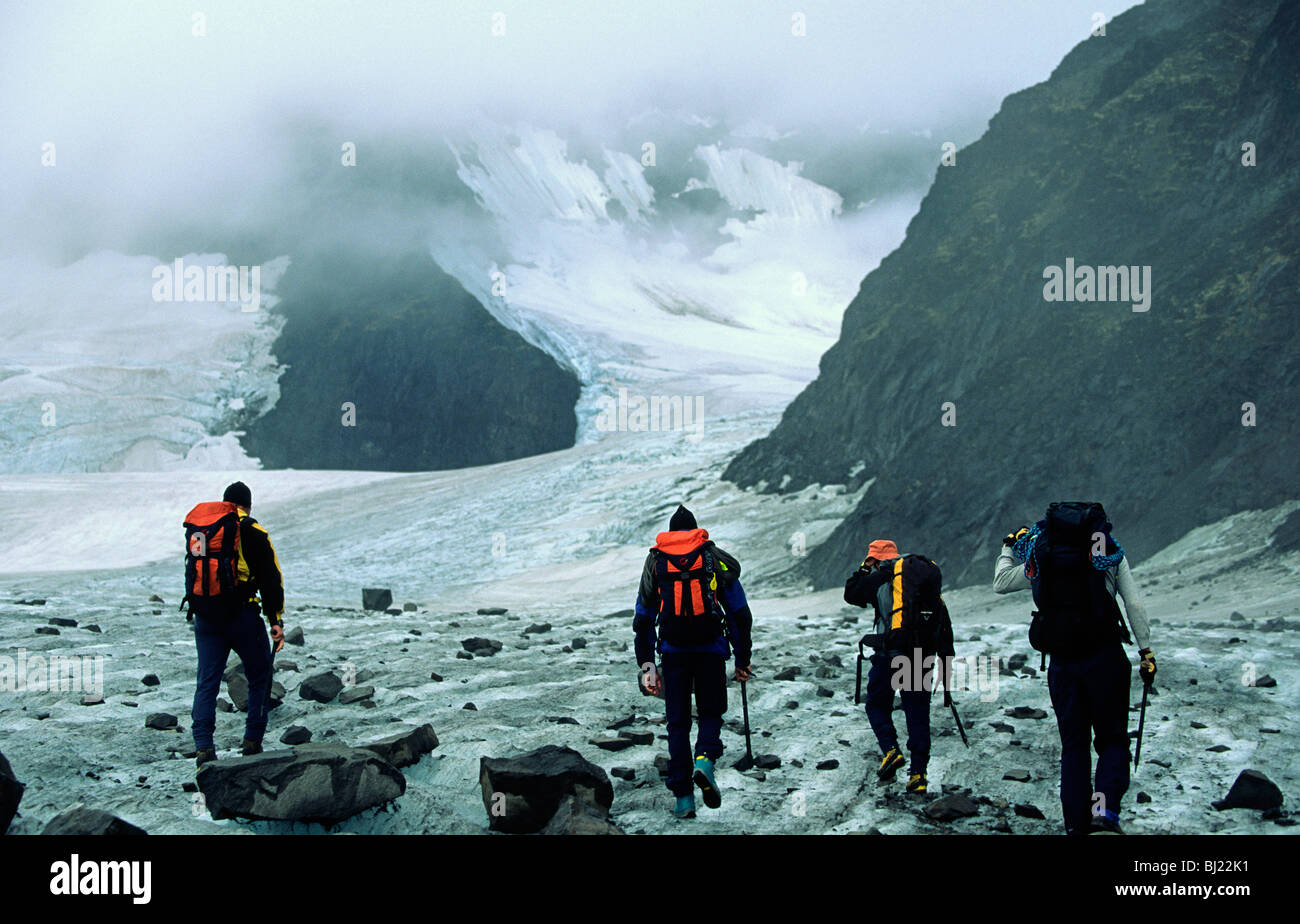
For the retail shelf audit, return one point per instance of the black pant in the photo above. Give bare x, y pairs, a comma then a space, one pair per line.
1090, 694
706, 674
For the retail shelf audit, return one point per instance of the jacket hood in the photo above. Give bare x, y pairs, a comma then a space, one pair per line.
681, 541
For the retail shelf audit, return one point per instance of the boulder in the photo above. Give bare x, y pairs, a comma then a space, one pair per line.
161, 721
951, 807
313, 782
150, 680
376, 598
612, 744
766, 761
409, 607
578, 643
1025, 712
576, 816
355, 694
11, 793
295, 734
1025, 810
1016, 776
538, 628
81, 821
492, 611
405, 748
295, 637
63, 622
481, 647
321, 688
1252, 790
790, 673
532, 786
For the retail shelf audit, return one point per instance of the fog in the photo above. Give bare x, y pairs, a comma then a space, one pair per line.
167, 140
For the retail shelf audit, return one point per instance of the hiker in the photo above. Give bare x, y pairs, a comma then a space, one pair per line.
910, 634
690, 605
229, 562
1075, 569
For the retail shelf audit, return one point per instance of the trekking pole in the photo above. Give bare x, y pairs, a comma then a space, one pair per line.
1142, 722
746, 762
947, 701
857, 687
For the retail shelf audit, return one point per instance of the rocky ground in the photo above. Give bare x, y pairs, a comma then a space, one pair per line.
1225, 608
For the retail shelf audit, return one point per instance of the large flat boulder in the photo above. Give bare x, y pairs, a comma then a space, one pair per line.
314, 782
405, 748
80, 820
521, 794
376, 598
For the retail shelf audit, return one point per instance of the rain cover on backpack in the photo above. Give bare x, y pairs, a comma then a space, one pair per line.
211, 558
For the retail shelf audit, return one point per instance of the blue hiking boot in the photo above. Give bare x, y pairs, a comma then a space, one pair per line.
685, 807
708, 785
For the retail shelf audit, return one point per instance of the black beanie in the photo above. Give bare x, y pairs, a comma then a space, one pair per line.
239, 495
682, 519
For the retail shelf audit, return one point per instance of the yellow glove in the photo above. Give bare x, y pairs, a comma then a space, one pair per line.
1147, 666
1012, 538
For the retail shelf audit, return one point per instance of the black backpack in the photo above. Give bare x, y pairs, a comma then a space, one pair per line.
920, 617
1076, 613
689, 615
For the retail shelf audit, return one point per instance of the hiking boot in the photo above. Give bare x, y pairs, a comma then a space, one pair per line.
685, 807
916, 784
250, 747
708, 786
1102, 825
889, 765
203, 756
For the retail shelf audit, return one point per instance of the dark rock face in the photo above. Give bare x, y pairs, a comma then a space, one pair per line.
80, 820
11, 793
321, 688
951, 807
434, 380
532, 786
376, 598
324, 783
405, 748
577, 816
355, 695
957, 313
1252, 790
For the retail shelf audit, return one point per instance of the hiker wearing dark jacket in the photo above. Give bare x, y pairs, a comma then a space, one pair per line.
691, 609
1073, 566
259, 588
874, 584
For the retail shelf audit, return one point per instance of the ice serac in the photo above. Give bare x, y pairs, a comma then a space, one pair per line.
1130, 154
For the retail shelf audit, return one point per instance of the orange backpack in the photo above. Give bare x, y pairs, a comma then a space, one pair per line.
211, 557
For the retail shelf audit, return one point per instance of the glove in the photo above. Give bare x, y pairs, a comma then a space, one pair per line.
1012, 538
1147, 666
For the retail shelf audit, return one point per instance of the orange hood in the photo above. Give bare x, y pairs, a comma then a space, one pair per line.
681, 541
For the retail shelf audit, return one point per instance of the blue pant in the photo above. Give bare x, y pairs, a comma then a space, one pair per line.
705, 673
215, 637
1090, 695
916, 707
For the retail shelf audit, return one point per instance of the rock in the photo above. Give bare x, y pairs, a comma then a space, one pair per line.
275, 696
825, 691
355, 695
576, 816
1016, 776
1252, 790
162, 721
286, 666
792, 704
225, 705
611, 744
1143, 798
790, 673
638, 737
1218, 749
1024, 712
376, 598
321, 688
46, 630
35, 602
237, 687
624, 722
92, 628
63, 622
661, 764
407, 747
538, 628
562, 719
465, 655
481, 647
92, 699
521, 794
951, 807
409, 607
11, 793
1025, 810
831, 764
435, 677
1199, 725
1265, 681
623, 773
154, 598
491, 611
766, 761
1234, 616
295, 734
579, 643
313, 782
1017, 661
81, 821
470, 707
150, 680
295, 637
1002, 727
